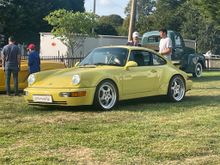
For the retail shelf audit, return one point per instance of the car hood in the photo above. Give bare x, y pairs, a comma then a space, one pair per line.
63, 78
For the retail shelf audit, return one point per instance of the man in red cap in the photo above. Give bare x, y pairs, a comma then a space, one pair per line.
33, 59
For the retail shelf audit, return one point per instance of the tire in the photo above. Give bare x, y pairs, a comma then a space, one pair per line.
106, 95
198, 70
176, 89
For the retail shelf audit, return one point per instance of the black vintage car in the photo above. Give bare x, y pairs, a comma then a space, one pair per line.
186, 57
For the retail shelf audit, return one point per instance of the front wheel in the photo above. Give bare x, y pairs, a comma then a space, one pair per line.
106, 95
176, 89
198, 70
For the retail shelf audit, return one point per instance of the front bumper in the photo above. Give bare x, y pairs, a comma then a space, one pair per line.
57, 99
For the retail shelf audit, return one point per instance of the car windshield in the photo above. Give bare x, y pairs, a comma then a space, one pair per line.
106, 56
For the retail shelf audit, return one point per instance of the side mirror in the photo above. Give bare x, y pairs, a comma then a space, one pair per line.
130, 64
77, 63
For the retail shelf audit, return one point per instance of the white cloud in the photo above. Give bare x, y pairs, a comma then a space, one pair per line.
105, 2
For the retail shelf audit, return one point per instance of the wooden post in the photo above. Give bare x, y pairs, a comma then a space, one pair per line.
132, 19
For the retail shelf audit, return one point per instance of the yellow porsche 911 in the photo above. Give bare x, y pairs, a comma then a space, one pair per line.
108, 75
23, 74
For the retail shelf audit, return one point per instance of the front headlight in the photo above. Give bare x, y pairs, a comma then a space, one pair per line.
31, 79
76, 79
194, 60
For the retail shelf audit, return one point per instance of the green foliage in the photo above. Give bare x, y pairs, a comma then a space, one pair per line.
109, 25
197, 20
211, 10
114, 20
24, 18
72, 28
105, 29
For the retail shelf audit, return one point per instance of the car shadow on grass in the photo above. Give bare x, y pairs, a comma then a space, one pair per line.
156, 103
161, 103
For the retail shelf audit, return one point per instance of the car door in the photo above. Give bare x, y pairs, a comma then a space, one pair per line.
142, 78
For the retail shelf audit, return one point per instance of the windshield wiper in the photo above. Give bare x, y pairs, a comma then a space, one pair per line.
100, 63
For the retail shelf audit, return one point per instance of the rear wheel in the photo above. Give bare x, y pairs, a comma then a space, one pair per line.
177, 89
198, 70
106, 95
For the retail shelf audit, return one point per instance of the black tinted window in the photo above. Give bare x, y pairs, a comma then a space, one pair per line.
142, 58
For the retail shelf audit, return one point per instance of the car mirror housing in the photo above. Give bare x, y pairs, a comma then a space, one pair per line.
130, 64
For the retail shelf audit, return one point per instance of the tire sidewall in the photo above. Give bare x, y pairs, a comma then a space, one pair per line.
195, 71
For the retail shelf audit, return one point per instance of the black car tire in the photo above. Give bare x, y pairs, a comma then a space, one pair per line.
198, 70
176, 89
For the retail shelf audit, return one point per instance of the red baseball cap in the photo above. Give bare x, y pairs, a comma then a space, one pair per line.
31, 46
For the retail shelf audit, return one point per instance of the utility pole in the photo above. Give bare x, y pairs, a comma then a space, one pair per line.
94, 6
132, 19
94, 10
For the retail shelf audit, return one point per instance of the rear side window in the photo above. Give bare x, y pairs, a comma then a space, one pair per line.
142, 58
151, 39
157, 60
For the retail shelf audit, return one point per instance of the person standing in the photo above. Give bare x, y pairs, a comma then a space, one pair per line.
11, 62
135, 40
165, 47
33, 59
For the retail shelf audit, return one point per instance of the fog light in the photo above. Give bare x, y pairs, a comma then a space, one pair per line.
73, 94
65, 94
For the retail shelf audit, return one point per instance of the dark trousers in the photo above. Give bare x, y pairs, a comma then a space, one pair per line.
8, 72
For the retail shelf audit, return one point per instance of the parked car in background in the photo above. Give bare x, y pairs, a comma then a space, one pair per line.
186, 57
108, 75
23, 74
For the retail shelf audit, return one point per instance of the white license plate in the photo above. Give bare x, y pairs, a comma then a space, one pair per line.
41, 98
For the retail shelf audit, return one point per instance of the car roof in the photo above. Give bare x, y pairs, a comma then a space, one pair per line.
126, 47
130, 48
156, 32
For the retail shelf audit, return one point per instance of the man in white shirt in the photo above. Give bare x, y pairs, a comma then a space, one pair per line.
165, 47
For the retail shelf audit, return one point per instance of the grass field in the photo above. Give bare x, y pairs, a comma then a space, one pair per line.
145, 131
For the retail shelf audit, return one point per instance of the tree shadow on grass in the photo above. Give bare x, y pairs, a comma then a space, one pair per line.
207, 78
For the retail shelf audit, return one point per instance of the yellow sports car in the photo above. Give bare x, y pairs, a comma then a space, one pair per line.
108, 75
23, 74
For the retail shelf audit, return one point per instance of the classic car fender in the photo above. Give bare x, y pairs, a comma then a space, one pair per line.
189, 62
23, 74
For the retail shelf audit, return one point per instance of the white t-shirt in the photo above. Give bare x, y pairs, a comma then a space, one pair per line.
165, 43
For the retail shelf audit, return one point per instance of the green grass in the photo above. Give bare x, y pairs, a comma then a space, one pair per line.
144, 131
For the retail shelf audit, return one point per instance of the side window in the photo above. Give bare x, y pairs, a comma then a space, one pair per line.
178, 41
142, 58
157, 60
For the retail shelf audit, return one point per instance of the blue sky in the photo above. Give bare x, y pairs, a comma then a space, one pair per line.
107, 7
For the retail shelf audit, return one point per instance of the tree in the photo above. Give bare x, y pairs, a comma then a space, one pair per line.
24, 18
72, 28
145, 8
105, 29
109, 25
114, 20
